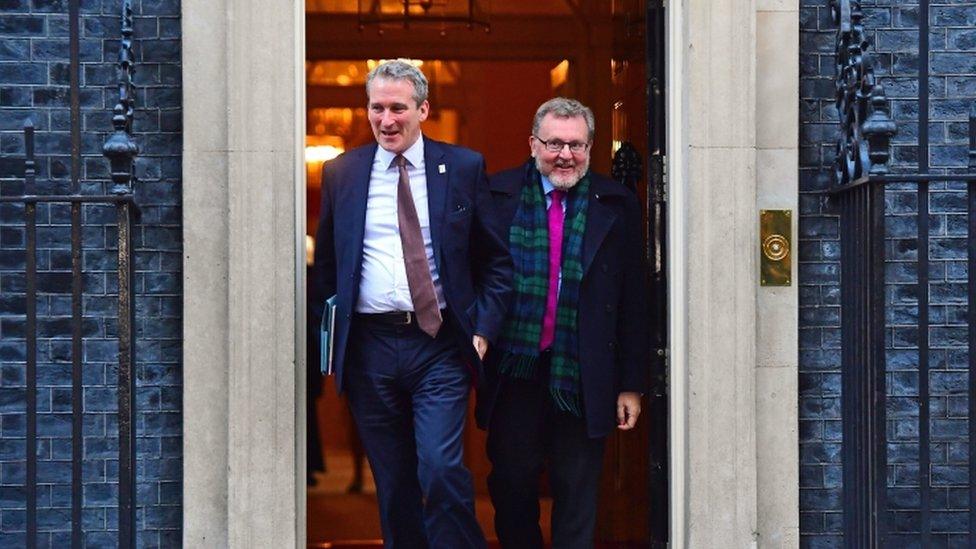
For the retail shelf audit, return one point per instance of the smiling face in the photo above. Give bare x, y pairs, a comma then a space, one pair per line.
394, 114
564, 168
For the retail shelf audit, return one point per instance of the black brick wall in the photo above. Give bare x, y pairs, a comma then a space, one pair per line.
34, 78
894, 31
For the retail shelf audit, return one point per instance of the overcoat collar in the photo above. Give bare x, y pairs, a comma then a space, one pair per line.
600, 217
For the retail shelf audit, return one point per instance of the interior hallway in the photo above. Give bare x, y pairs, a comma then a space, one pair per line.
353, 520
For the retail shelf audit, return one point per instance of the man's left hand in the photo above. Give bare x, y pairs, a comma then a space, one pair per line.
480, 345
628, 408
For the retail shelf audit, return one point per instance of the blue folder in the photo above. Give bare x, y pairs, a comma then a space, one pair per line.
327, 335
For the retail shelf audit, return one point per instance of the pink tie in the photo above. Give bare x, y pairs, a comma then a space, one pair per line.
555, 261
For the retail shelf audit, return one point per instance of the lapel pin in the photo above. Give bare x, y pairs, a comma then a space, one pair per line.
441, 168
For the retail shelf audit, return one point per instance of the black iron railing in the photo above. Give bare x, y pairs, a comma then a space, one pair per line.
121, 151
862, 152
861, 176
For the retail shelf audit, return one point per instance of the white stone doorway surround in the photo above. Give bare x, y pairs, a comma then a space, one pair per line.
733, 111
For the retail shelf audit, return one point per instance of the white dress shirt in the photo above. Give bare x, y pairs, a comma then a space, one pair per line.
383, 286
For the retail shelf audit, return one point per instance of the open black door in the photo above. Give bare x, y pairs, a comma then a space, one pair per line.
657, 401
633, 508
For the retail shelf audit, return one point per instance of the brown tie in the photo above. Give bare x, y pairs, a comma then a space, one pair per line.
415, 256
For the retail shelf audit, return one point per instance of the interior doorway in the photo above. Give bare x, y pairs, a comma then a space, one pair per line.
485, 84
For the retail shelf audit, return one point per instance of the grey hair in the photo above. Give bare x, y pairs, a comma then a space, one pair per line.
563, 107
400, 69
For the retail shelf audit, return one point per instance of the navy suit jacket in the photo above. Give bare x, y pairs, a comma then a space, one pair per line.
472, 259
613, 314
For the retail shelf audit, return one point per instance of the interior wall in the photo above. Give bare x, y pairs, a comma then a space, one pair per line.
497, 120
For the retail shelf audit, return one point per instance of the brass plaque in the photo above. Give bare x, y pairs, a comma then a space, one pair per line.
775, 247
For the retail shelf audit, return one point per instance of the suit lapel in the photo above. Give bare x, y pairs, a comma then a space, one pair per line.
599, 219
355, 215
437, 191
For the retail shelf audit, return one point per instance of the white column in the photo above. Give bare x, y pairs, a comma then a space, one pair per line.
732, 131
777, 360
205, 268
243, 386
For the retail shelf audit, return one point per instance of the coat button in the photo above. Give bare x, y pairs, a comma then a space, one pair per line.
604, 267
612, 345
609, 308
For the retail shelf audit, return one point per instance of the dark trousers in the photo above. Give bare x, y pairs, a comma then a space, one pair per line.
314, 458
409, 396
525, 434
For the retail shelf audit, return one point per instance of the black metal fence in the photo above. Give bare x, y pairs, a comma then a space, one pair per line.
121, 150
861, 180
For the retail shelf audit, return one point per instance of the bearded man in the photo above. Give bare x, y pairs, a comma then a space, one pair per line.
572, 361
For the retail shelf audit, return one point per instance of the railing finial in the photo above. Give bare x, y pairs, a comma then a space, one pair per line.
120, 148
866, 125
879, 128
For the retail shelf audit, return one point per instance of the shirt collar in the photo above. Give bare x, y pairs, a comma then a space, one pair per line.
414, 154
547, 186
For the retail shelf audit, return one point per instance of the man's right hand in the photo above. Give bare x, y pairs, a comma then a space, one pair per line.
480, 345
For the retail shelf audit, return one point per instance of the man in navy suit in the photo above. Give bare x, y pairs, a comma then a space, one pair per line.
572, 361
422, 278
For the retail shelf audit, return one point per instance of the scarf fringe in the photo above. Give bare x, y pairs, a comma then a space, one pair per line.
567, 401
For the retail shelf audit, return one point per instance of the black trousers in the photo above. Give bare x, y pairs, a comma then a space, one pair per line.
525, 435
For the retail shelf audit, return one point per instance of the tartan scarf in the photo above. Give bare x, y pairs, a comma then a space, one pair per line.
529, 245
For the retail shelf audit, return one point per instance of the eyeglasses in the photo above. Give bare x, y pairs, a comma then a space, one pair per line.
555, 145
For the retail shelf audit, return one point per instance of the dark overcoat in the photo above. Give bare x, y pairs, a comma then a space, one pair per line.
613, 315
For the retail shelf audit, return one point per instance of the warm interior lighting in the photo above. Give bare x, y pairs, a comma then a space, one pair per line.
559, 74
321, 148
372, 63
321, 153
353, 72
618, 129
334, 73
318, 150
309, 250
442, 13
334, 121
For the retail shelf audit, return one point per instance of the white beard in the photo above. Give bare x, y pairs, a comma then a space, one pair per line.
565, 183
